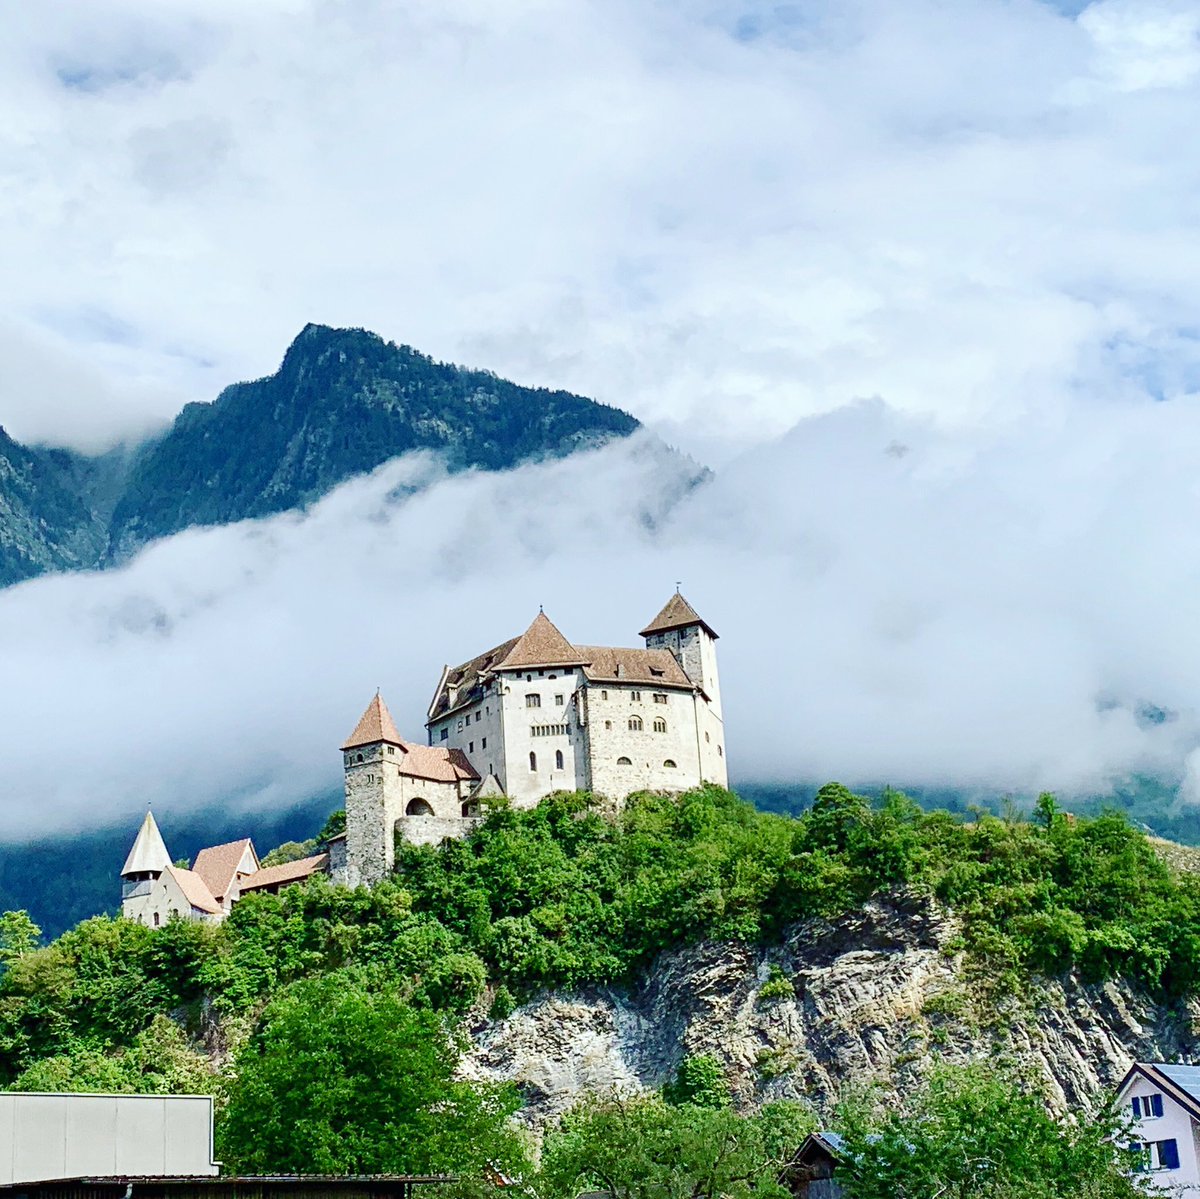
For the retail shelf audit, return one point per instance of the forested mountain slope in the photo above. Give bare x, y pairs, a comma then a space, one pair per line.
342, 402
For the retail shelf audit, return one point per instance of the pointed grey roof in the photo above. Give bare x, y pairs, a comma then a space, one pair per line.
149, 854
677, 613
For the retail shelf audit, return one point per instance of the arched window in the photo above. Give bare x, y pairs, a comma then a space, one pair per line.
635, 724
660, 725
418, 807
359, 758
670, 763
624, 762
558, 759
532, 760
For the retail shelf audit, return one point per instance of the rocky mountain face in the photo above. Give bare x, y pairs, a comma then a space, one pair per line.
879, 996
343, 402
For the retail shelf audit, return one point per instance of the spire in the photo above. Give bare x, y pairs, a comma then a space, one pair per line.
149, 854
541, 645
677, 614
375, 725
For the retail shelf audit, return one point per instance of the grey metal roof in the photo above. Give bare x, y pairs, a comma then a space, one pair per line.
834, 1140
1186, 1078
149, 854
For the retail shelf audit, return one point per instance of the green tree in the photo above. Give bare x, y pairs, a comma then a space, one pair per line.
978, 1132
18, 935
645, 1148
342, 1078
699, 1080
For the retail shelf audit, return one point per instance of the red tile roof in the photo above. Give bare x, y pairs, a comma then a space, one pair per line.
194, 889
218, 864
653, 667
286, 872
375, 725
540, 645
436, 764
676, 614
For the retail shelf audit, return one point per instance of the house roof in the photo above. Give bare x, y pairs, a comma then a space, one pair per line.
677, 613
461, 685
374, 725
218, 864
654, 667
148, 854
194, 889
540, 645
1180, 1081
436, 764
285, 872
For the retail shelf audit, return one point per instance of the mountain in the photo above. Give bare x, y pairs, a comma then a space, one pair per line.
343, 402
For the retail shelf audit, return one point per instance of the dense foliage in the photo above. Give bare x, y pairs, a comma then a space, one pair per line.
559, 895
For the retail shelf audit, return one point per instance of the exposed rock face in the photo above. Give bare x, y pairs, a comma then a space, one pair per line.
880, 996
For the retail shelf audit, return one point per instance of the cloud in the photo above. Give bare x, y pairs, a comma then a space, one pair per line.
722, 216
896, 603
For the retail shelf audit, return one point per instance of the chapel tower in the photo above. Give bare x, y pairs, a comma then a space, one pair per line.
147, 859
374, 799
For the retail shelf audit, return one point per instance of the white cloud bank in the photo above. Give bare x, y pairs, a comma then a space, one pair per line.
723, 216
895, 603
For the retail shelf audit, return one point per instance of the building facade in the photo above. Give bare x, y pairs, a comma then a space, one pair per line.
534, 715
1163, 1102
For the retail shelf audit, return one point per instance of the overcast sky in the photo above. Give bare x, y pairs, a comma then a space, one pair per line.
921, 279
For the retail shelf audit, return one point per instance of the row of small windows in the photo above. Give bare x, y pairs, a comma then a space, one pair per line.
534, 700
659, 696
549, 730
558, 760
669, 763
635, 724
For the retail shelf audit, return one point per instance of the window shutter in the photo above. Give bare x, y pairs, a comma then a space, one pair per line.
1156, 1105
1168, 1154
1137, 1108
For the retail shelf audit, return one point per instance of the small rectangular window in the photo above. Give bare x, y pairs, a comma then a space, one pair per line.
533, 701
470, 747
460, 724
445, 733
483, 743
604, 695
659, 698
558, 699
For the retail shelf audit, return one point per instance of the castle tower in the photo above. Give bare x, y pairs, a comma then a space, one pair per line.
679, 628
147, 859
374, 794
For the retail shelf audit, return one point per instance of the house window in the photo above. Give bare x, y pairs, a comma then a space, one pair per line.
660, 725
558, 699
624, 762
635, 724
636, 696
1147, 1107
445, 733
483, 744
532, 760
533, 700
659, 697
1160, 1155
670, 763
558, 759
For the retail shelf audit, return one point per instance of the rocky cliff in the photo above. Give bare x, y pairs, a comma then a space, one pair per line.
879, 996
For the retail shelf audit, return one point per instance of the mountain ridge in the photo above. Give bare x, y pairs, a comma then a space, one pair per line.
342, 402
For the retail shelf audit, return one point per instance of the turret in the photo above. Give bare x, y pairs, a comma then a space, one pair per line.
147, 859
370, 757
693, 641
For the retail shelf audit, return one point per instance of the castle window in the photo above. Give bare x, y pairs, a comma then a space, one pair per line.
470, 747
533, 700
541, 674
558, 759
636, 696
532, 760
466, 809
558, 699
670, 763
468, 718
706, 737
460, 724
483, 744
391, 749
156, 919
720, 752
418, 807
635, 724
656, 671
529, 678
660, 725
624, 762
445, 733
553, 676
604, 695
659, 697
359, 758
608, 724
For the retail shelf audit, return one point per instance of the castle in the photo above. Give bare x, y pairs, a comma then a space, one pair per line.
534, 715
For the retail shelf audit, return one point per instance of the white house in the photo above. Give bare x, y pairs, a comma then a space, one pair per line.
1163, 1101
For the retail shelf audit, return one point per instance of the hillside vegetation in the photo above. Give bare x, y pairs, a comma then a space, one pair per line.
343, 402
268, 1010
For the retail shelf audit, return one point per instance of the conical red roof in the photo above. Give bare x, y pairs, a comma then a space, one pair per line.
676, 614
376, 725
541, 645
